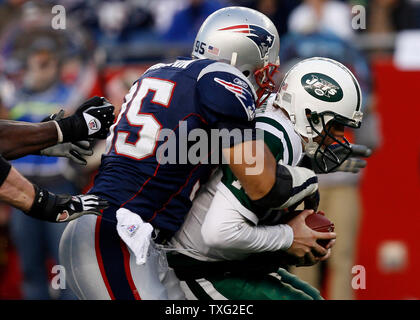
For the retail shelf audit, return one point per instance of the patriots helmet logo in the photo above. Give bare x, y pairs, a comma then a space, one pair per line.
263, 39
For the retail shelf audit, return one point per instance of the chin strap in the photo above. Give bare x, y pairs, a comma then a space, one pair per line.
310, 146
234, 58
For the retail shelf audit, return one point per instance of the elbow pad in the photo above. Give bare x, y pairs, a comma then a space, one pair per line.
4, 169
292, 185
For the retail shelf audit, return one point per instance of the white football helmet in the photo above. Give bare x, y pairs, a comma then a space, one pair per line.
245, 38
314, 92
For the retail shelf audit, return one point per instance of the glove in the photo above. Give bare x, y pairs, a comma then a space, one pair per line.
63, 208
353, 164
74, 151
55, 116
69, 150
91, 120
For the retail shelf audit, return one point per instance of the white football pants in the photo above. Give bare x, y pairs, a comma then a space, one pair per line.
99, 266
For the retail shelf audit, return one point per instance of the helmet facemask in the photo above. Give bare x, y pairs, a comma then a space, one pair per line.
320, 94
266, 83
326, 157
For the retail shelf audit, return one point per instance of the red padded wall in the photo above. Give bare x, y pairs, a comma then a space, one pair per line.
391, 186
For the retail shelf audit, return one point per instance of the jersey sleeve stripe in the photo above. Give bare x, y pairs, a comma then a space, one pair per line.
277, 129
274, 139
236, 203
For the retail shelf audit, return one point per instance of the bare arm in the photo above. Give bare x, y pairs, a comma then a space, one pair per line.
40, 203
268, 184
254, 165
17, 191
18, 139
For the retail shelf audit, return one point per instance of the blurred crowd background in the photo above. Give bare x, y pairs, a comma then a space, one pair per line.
106, 45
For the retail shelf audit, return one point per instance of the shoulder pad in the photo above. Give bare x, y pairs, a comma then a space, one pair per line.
239, 77
225, 90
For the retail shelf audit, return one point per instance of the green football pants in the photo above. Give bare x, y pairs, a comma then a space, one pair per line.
280, 286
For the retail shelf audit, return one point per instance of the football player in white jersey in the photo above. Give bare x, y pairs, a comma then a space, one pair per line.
303, 124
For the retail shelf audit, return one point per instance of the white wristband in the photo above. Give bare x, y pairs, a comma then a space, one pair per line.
59, 133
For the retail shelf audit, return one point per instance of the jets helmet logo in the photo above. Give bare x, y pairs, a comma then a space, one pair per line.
263, 39
322, 87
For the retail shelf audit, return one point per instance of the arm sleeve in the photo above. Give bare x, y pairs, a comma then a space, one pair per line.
225, 228
4, 170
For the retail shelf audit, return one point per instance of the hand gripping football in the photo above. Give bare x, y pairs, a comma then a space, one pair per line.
320, 223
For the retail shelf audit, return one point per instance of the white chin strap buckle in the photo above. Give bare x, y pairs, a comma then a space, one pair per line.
234, 58
311, 146
310, 149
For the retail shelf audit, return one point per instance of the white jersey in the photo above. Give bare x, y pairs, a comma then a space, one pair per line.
223, 197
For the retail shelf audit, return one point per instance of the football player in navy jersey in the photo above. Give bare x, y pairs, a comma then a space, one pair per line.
118, 255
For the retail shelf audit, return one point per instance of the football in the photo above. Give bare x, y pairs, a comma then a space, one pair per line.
319, 222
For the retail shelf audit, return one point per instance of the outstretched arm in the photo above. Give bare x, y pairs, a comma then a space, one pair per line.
18, 139
91, 120
15, 189
38, 203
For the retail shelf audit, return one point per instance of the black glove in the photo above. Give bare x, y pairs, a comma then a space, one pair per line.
91, 120
74, 151
63, 208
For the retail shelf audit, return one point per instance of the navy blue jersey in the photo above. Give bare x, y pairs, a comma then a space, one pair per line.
162, 107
